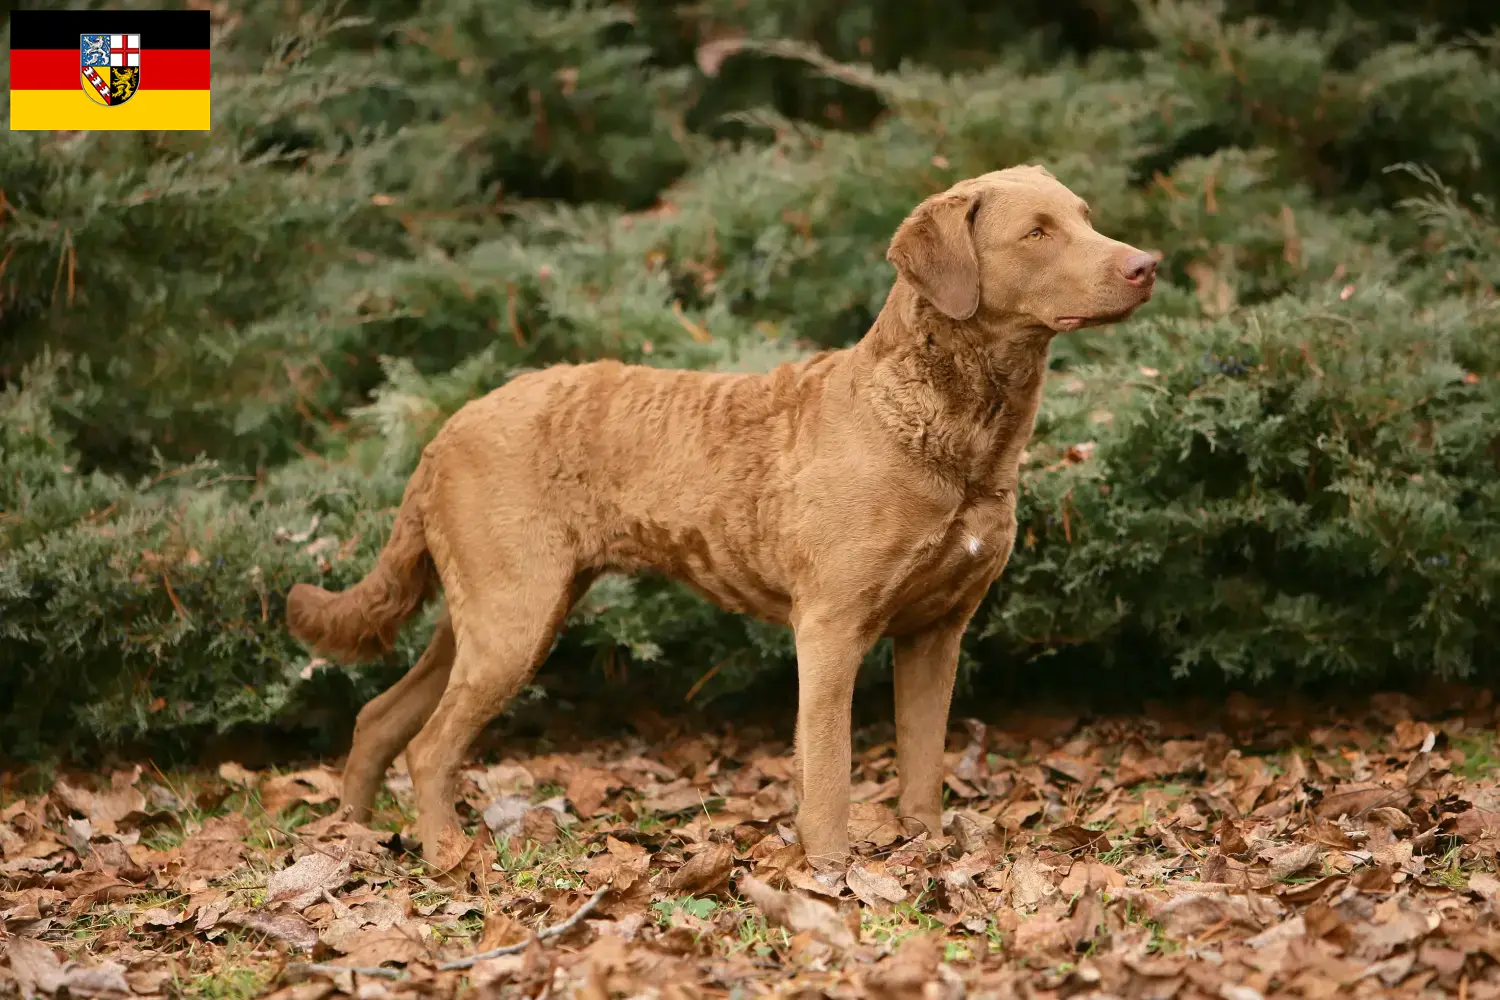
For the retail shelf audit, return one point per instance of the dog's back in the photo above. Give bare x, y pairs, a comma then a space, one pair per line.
677, 471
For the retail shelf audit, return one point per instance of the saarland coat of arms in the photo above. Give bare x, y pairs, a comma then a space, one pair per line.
111, 67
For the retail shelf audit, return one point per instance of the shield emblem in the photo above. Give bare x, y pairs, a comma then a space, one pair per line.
110, 67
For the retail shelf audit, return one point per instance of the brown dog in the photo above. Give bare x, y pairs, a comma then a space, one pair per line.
863, 492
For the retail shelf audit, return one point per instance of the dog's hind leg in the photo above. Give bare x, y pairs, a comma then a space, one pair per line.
389, 721
504, 628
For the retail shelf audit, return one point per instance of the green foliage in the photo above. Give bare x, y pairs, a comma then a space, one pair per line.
221, 354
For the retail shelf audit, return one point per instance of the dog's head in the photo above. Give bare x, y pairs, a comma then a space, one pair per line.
1017, 244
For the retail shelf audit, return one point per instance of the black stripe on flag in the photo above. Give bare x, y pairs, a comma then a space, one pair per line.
59, 29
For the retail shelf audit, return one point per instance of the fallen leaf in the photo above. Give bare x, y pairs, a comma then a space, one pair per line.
588, 788
1484, 885
1326, 834
374, 948
238, 774
36, 968
1088, 873
539, 825
674, 800
313, 787
1083, 924
798, 913
503, 816
875, 823
157, 918
105, 810
1292, 860
873, 885
1027, 882
915, 972
1355, 802
1189, 914
1073, 838
302, 883
1376, 941
286, 927
218, 848
706, 873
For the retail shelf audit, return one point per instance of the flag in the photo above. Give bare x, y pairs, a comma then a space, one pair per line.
91, 70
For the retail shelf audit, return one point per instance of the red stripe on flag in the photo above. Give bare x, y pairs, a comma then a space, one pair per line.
59, 69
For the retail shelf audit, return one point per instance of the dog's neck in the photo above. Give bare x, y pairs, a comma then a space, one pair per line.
960, 396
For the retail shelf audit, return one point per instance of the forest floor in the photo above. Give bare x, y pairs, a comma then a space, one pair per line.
1254, 850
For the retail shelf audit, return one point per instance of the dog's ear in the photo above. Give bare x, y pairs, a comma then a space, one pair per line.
934, 250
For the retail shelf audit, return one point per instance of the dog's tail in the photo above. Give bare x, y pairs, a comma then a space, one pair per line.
361, 623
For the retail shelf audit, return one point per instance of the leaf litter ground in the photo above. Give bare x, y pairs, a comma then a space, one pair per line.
1252, 851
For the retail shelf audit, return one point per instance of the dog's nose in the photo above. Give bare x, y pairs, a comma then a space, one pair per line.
1139, 269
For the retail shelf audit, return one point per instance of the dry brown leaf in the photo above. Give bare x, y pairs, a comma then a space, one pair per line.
1028, 883
237, 774
1410, 735
216, 849
873, 885
706, 873
540, 825
1326, 834
1374, 941
332, 831
1292, 860
347, 929
675, 799
875, 823
588, 788
37, 969
401, 944
507, 777
1311, 892
915, 972
1485, 885
503, 816
1073, 838
157, 917
1189, 914
1088, 873
313, 787
1356, 801
302, 883
621, 865
289, 928
1047, 932
828, 881
500, 930
799, 913
1087, 916
1017, 814
105, 810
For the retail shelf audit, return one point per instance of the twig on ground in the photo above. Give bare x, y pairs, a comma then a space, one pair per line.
541, 935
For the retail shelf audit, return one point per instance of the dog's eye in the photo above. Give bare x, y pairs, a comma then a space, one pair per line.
1035, 234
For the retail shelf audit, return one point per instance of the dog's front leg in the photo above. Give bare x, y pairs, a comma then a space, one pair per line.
829, 652
926, 663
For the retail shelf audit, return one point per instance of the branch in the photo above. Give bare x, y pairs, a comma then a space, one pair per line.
542, 935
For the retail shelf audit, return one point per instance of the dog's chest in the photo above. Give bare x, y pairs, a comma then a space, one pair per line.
965, 555
982, 531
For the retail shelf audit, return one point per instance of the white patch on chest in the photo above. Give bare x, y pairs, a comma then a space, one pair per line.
974, 545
